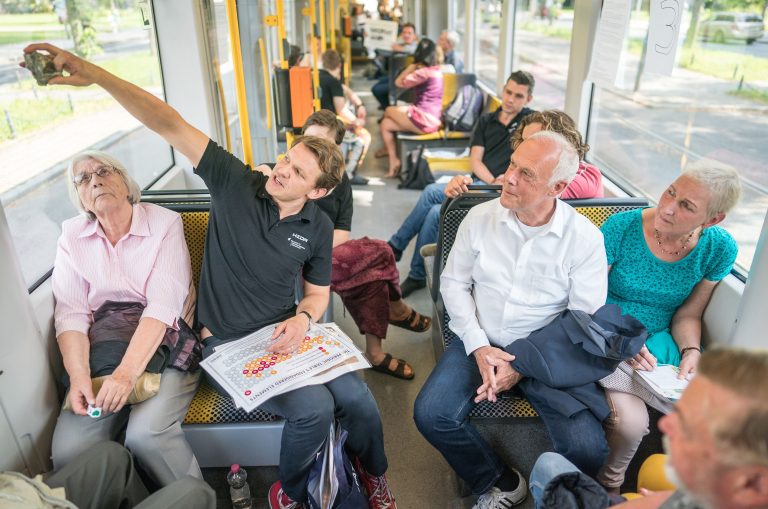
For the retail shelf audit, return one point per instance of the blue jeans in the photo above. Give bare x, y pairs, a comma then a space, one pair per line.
380, 91
547, 467
309, 412
422, 223
441, 411
580, 437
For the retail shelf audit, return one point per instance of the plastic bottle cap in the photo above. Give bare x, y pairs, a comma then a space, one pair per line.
235, 468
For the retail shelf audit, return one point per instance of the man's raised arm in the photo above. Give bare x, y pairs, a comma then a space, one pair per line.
148, 109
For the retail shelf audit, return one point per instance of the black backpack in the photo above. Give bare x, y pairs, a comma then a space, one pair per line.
465, 109
418, 175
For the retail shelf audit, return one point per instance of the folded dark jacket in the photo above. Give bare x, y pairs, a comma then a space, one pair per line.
574, 490
563, 360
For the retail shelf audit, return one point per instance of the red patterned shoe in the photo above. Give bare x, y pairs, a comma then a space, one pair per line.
279, 500
379, 496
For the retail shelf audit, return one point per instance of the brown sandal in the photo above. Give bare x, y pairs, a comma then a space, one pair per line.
415, 322
398, 372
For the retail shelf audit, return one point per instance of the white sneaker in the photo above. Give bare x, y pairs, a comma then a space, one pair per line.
497, 499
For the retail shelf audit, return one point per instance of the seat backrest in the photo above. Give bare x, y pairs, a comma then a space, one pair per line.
452, 83
454, 211
194, 215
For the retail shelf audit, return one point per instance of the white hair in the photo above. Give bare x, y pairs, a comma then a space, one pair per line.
568, 159
721, 180
134, 191
453, 37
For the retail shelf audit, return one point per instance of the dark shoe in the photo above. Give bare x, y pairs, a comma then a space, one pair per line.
398, 372
415, 322
410, 285
397, 252
357, 180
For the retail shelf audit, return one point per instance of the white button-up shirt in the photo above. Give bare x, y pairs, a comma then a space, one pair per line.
498, 287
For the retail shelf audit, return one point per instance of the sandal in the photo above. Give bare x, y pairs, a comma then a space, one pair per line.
382, 152
398, 372
415, 322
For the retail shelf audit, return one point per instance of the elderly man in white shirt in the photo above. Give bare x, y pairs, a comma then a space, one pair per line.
517, 262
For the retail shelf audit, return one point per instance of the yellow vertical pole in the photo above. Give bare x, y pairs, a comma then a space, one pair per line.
321, 8
281, 33
265, 72
237, 64
315, 56
332, 10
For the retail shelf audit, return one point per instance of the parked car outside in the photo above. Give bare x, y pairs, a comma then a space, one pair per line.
723, 26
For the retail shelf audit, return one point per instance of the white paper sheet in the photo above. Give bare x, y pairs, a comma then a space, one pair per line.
664, 381
251, 375
663, 33
380, 34
609, 41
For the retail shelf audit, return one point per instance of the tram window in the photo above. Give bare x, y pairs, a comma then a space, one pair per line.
643, 132
542, 46
218, 39
459, 24
487, 31
42, 127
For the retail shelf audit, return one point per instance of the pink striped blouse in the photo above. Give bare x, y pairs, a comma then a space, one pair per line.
150, 265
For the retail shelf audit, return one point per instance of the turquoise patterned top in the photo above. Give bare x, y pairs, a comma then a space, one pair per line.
650, 289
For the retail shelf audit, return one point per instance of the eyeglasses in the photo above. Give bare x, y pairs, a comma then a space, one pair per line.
85, 177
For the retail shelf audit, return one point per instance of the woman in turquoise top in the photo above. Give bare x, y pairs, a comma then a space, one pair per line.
664, 263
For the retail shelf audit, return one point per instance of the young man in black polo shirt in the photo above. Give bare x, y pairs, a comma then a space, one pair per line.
333, 97
489, 156
262, 233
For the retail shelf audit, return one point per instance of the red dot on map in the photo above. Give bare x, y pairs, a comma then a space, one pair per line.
245, 371
247, 393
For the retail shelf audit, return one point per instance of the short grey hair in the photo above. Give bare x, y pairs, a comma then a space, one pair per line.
568, 162
722, 181
453, 37
134, 191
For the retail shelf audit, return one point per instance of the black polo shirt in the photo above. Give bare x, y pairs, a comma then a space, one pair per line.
330, 87
495, 138
338, 205
252, 258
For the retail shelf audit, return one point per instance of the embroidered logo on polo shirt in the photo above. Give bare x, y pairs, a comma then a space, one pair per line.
295, 240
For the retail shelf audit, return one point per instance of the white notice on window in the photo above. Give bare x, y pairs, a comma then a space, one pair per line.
663, 32
609, 41
380, 34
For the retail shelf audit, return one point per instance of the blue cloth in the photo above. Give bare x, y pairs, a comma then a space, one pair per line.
441, 414
650, 289
556, 483
309, 412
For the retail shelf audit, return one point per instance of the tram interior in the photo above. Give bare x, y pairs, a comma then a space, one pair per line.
190, 37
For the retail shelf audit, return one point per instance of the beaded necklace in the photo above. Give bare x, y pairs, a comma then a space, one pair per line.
675, 253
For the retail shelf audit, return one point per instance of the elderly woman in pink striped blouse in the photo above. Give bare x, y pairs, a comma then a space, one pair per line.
122, 284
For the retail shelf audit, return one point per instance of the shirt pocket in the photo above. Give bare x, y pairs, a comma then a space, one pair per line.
549, 289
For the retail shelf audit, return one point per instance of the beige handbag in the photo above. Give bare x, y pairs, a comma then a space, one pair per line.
146, 386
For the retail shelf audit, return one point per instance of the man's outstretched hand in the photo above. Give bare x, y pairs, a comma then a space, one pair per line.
81, 72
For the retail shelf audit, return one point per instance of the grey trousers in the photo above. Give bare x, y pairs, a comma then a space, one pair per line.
103, 476
153, 435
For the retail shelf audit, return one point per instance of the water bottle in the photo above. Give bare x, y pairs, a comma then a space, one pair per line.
238, 487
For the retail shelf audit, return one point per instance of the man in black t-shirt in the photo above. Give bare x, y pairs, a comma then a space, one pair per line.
489, 154
263, 232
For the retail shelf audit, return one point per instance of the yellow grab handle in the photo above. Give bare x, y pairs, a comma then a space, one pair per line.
265, 69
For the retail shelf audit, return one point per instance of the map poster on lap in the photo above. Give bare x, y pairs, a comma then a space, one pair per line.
251, 374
